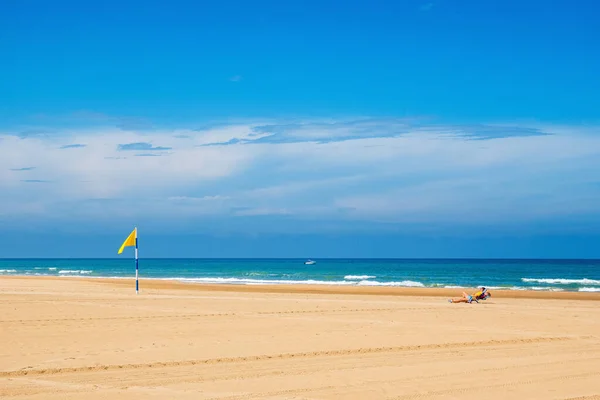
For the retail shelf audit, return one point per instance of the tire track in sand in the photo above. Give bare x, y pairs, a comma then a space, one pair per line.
592, 397
209, 315
283, 356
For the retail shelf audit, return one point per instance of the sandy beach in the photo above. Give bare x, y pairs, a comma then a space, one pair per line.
95, 339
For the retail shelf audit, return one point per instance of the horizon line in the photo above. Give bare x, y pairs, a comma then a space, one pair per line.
313, 258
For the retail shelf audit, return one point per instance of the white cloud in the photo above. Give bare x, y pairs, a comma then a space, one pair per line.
370, 170
199, 199
263, 211
101, 170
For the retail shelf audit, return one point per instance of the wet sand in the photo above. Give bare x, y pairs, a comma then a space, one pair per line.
70, 338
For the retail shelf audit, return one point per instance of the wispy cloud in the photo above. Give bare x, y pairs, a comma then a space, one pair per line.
33, 181
133, 123
327, 132
22, 169
230, 141
33, 133
336, 173
137, 146
263, 211
202, 198
73, 146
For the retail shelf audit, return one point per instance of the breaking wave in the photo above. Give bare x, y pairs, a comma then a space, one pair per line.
358, 277
562, 281
245, 281
589, 289
74, 271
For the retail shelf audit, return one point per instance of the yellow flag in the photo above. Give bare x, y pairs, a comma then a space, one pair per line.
130, 241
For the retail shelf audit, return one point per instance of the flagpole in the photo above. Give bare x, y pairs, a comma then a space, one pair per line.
137, 286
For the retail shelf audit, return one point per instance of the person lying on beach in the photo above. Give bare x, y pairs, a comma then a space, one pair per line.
482, 294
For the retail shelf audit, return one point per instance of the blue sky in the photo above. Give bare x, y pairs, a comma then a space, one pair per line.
329, 128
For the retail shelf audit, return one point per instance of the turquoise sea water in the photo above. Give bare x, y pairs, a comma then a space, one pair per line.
567, 275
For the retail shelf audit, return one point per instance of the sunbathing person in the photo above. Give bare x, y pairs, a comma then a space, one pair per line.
482, 294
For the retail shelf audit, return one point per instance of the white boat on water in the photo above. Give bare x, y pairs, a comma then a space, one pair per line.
310, 262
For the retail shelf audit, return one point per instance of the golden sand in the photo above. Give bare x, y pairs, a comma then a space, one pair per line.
95, 339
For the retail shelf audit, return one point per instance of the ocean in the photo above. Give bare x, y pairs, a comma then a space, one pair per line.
551, 275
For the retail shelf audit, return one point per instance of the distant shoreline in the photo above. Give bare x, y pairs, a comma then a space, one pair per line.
158, 284
315, 258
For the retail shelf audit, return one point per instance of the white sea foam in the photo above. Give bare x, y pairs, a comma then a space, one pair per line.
113, 277
539, 288
52, 269
260, 274
358, 277
401, 283
244, 281
75, 271
546, 288
562, 281
589, 289
8, 270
